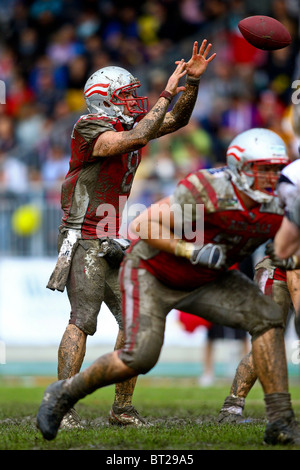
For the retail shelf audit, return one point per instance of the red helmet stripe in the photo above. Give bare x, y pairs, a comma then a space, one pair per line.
95, 92
235, 151
234, 155
97, 89
236, 147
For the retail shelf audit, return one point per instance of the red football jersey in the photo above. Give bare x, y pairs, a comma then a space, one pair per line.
96, 189
226, 221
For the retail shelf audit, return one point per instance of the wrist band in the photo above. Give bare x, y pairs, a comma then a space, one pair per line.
166, 94
184, 249
192, 81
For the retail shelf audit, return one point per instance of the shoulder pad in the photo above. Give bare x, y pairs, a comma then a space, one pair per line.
90, 126
212, 188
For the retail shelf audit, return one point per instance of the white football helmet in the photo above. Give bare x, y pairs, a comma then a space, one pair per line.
247, 156
105, 91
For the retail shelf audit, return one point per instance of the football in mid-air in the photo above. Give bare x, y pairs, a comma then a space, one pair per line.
265, 32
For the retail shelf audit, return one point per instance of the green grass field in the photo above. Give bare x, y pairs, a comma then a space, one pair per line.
184, 418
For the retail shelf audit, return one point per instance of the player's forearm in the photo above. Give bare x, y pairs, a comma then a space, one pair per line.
209, 255
159, 237
116, 143
147, 128
287, 240
180, 115
154, 233
183, 109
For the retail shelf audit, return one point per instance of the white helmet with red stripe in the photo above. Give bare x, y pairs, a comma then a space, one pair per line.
247, 157
106, 92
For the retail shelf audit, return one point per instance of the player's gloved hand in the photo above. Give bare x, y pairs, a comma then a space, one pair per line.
288, 264
112, 251
210, 255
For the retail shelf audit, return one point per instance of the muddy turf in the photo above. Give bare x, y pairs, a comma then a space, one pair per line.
184, 417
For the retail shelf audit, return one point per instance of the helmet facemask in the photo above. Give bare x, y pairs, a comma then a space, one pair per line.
263, 175
120, 98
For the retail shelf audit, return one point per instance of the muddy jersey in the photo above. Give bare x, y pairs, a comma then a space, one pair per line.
226, 221
96, 189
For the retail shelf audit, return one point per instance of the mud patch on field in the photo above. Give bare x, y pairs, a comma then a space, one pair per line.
102, 421
165, 421
24, 421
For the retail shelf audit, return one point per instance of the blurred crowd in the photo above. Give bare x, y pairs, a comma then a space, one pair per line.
49, 48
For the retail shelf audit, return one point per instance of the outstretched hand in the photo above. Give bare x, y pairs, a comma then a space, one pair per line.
195, 67
172, 85
197, 64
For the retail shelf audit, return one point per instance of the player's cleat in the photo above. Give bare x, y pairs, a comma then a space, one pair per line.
225, 417
232, 411
71, 420
55, 404
126, 416
283, 431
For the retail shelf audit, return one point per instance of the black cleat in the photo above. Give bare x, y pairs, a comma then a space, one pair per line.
55, 404
282, 431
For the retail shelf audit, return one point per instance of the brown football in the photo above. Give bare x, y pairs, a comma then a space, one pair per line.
265, 32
